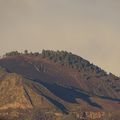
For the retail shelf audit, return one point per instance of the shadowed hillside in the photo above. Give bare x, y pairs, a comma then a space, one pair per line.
66, 69
56, 83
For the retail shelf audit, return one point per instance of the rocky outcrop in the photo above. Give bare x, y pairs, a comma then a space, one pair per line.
16, 94
90, 115
12, 94
95, 115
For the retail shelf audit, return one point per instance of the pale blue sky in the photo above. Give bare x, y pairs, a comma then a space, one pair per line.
89, 28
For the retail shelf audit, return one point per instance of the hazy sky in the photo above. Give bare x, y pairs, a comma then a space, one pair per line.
89, 28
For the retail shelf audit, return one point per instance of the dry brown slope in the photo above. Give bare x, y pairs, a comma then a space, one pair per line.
42, 69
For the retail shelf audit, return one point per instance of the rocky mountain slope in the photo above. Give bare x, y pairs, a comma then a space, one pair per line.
53, 85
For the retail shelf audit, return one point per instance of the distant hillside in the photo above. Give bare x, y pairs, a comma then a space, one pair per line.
65, 68
60, 82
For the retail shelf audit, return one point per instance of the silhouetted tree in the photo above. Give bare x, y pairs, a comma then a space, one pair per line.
13, 53
26, 52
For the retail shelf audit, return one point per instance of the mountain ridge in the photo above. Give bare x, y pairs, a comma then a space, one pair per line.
65, 82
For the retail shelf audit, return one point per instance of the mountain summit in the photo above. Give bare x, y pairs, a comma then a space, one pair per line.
56, 85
